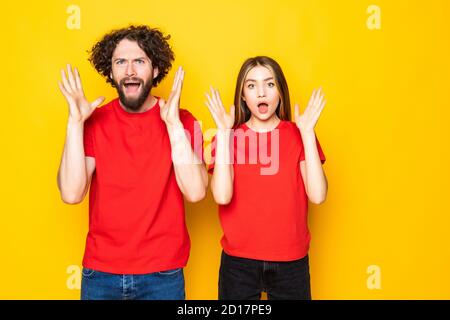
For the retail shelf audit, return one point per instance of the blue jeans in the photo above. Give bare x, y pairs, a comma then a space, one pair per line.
245, 279
165, 285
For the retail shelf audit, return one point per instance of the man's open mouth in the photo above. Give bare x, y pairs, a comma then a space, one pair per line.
131, 86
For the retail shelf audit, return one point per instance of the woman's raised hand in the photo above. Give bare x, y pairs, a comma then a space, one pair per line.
222, 119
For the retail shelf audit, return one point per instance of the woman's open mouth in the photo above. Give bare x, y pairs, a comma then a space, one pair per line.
263, 107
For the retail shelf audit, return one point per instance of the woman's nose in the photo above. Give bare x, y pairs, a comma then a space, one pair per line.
261, 92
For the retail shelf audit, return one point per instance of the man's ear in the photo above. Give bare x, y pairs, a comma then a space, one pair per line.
155, 72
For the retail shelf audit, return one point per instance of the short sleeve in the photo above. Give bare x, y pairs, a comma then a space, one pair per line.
319, 149
88, 138
191, 124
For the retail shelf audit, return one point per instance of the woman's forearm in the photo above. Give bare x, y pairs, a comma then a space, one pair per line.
316, 182
223, 176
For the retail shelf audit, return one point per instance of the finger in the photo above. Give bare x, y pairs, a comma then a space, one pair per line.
319, 91
310, 101
219, 99
319, 101
65, 82
172, 93
179, 86
71, 78
78, 80
232, 111
314, 118
63, 91
176, 79
210, 101
213, 112
322, 106
211, 109
296, 111
314, 97
318, 112
215, 99
97, 102
212, 97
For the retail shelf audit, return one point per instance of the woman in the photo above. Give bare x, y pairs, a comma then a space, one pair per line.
264, 169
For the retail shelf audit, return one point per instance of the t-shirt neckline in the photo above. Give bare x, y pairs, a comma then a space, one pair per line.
269, 131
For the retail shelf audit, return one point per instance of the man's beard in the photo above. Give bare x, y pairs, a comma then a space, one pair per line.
134, 104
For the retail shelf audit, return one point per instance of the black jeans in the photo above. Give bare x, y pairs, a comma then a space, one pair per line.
245, 279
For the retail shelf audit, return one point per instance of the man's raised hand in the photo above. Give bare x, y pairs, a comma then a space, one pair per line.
80, 109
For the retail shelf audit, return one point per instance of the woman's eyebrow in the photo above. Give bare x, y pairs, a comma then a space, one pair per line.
267, 79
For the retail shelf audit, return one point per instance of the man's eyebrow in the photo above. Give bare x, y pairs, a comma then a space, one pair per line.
139, 58
267, 79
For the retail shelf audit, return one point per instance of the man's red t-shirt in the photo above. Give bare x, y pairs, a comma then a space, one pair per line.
267, 216
136, 209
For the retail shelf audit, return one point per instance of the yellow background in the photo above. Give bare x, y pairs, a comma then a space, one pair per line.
385, 131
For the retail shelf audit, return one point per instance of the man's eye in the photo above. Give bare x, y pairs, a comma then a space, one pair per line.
119, 62
139, 61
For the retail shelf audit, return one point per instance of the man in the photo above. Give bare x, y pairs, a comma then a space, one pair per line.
136, 154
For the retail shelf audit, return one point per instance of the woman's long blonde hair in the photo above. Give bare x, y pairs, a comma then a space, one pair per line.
284, 107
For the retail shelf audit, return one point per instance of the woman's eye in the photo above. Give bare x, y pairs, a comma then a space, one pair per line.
251, 86
271, 84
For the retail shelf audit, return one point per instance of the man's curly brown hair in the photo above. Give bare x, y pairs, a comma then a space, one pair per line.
151, 40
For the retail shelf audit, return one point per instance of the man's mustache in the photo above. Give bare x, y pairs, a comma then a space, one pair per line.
131, 80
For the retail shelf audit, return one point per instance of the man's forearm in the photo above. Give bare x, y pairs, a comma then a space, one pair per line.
190, 171
72, 176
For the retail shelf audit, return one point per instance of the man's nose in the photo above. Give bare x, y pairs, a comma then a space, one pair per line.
130, 72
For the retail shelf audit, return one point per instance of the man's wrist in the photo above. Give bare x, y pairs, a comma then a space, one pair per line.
174, 126
74, 124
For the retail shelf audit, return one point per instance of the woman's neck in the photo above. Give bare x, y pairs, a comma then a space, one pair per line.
263, 125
